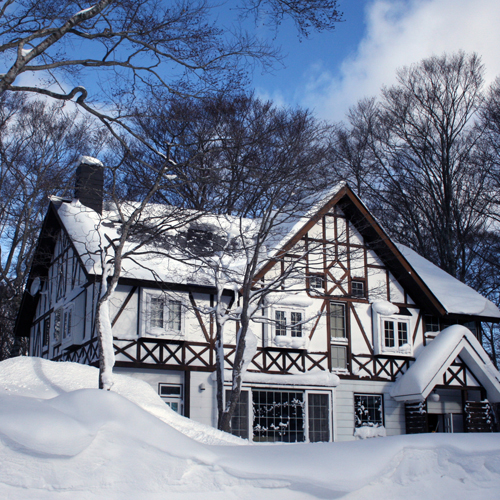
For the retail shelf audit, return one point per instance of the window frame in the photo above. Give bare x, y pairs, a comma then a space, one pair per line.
396, 322
382, 411
169, 399
358, 281
291, 327
247, 413
167, 300
313, 287
341, 369
381, 346
344, 338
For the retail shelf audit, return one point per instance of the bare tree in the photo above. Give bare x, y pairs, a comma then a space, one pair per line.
37, 142
252, 165
138, 47
429, 177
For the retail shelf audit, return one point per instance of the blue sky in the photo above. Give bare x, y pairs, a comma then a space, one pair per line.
331, 71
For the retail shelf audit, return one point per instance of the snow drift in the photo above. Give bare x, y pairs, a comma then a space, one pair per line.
61, 439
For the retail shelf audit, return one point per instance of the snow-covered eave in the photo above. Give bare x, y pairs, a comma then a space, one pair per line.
319, 378
428, 370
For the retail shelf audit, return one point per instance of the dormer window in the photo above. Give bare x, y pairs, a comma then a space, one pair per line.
395, 333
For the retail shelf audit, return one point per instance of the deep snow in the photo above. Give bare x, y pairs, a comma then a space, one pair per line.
60, 439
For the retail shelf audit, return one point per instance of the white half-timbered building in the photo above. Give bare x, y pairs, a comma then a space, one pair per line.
371, 339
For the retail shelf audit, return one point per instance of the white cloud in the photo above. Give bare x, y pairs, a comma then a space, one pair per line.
400, 33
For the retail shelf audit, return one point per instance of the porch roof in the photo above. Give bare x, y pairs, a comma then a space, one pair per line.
427, 371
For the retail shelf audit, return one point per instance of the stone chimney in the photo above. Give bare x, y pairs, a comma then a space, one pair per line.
89, 183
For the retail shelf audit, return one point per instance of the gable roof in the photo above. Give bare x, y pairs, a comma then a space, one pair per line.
428, 285
435, 359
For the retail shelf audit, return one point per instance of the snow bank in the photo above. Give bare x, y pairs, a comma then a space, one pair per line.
57, 443
43, 379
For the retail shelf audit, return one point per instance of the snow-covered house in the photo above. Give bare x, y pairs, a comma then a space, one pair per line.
367, 338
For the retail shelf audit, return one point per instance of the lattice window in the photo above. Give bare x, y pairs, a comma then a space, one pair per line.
368, 410
57, 326
358, 289
239, 422
318, 418
296, 324
163, 315
280, 317
316, 282
278, 416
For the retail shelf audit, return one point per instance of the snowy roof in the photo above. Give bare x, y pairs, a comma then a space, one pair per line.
456, 297
90, 231
427, 371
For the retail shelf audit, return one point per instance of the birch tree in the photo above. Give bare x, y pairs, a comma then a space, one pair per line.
250, 164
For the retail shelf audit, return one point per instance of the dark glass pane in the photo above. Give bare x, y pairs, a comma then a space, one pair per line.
368, 410
319, 429
239, 422
278, 416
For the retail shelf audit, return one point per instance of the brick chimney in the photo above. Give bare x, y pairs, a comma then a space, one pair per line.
89, 183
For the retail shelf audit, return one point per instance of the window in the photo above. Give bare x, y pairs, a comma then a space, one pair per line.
278, 416
163, 315
316, 282
46, 331
318, 420
172, 395
339, 357
389, 333
67, 323
239, 422
431, 323
156, 312
368, 410
280, 323
434, 324
358, 289
337, 321
296, 324
57, 326
402, 333
285, 321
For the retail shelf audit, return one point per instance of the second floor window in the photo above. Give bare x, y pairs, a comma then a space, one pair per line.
291, 318
163, 314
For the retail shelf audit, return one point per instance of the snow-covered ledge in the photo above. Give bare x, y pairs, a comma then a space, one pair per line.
320, 378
